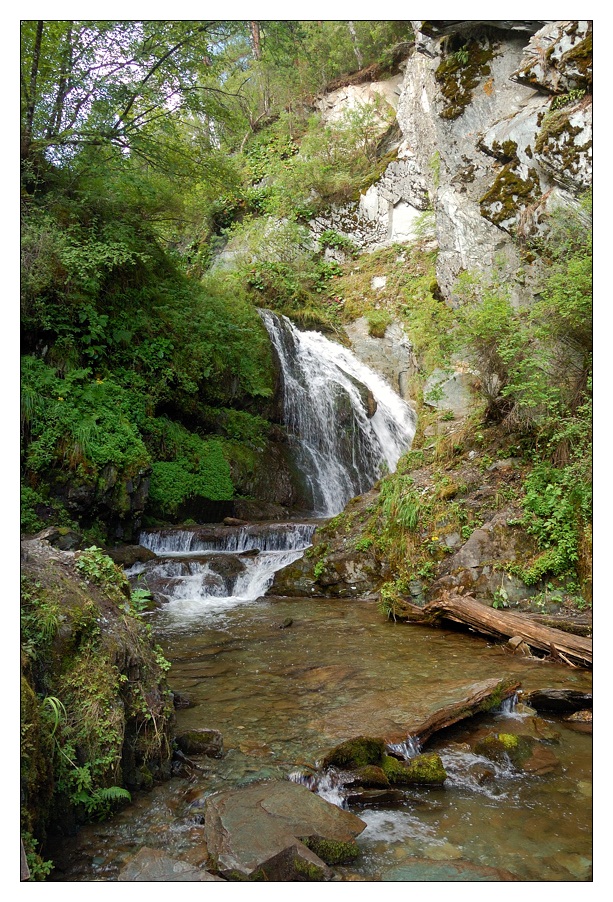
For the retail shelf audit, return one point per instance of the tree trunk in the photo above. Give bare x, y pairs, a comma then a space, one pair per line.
257, 40
29, 127
356, 46
483, 619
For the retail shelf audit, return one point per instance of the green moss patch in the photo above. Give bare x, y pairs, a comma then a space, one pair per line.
423, 769
460, 72
509, 194
354, 753
331, 851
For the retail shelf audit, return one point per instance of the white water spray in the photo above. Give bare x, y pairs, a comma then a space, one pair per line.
342, 447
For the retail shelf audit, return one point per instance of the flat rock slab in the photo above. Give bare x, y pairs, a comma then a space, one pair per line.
394, 718
259, 829
155, 866
420, 870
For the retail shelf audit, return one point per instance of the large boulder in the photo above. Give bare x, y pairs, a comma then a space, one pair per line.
268, 831
477, 566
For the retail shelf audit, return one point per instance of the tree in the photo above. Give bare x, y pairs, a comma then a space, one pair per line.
119, 83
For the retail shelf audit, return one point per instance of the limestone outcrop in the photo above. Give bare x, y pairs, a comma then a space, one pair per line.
496, 128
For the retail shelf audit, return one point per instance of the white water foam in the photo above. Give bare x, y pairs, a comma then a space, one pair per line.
340, 449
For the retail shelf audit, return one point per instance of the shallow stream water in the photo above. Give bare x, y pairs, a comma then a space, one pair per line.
282, 696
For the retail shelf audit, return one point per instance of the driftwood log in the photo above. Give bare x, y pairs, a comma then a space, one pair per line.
470, 612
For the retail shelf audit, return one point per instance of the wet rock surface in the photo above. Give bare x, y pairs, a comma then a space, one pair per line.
153, 865
262, 829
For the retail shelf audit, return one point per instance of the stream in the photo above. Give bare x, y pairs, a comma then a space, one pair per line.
286, 679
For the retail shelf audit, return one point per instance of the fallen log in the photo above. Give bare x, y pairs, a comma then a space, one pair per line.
492, 622
480, 698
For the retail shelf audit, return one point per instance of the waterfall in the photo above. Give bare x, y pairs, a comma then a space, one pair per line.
346, 424
236, 540
199, 573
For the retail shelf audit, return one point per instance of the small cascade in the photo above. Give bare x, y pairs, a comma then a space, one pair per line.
231, 540
201, 572
346, 424
407, 749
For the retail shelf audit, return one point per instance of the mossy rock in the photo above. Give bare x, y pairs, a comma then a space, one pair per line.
509, 194
201, 742
423, 769
460, 72
371, 776
331, 851
503, 747
356, 753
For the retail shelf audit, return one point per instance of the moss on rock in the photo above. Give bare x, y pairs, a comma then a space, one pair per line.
460, 72
424, 769
501, 747
355, 753
333, 852
509, 194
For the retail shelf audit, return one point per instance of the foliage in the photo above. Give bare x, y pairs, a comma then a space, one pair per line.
333, 239
93, 564
39, 868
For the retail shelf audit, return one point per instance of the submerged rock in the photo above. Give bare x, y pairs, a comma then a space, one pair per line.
267, 830
522, 752
153, 865
201, 742
427, 871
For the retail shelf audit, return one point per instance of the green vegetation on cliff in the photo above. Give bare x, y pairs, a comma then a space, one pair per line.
146, 147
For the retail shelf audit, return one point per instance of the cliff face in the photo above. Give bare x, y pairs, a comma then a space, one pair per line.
495, 122
500, 128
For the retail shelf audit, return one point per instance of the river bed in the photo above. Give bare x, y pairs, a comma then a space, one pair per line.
286, 679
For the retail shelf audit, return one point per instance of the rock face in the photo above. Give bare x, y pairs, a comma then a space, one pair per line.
265, 831
472, 567
501, 147
495, 130
392, 355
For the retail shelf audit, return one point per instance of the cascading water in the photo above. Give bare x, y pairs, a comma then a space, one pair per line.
346, 425
199, 573
340, 445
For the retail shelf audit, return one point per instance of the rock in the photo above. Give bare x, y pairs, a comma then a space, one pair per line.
259, 510
128, 555
287, 622
580, 717
558, 58
234, 521
425, 770
471, 568
61, 537
265, 830
153, 865
181, 700
201, 742
371, 776
356, 753
392, 355
557, 701
371, 798
522, 752
519, 647
449, 391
